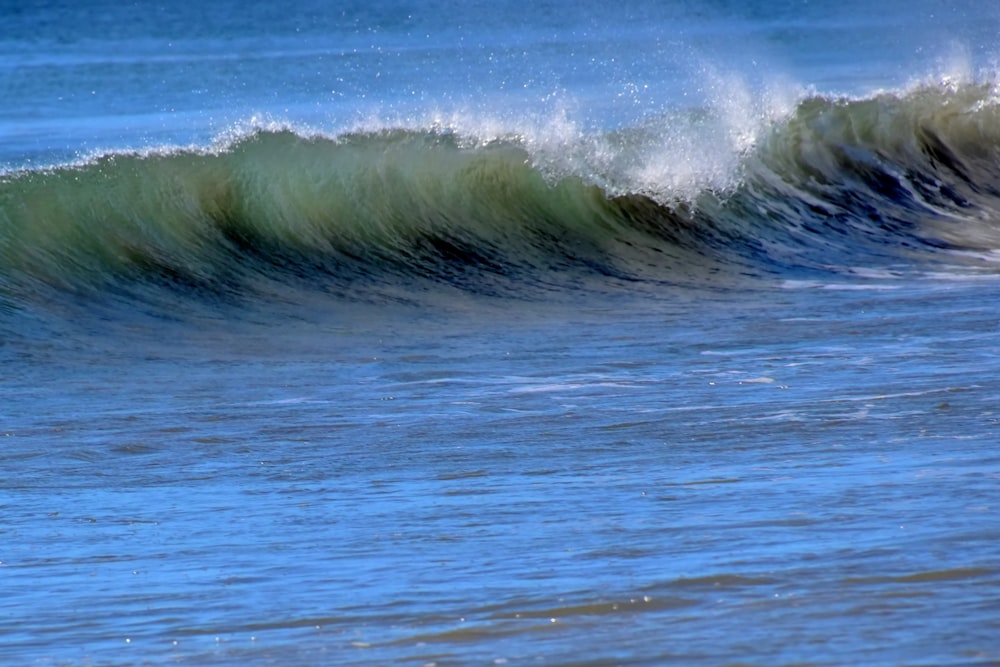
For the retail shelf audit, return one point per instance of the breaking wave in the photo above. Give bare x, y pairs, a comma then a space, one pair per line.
892, 178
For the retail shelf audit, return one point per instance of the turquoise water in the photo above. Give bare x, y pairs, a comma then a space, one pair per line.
654, 333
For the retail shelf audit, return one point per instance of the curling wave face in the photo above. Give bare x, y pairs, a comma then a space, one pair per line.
890, 178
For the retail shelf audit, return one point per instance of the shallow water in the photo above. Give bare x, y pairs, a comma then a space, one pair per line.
811, 480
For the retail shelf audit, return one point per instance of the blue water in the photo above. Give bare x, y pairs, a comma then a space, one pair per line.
81, 77
499, 333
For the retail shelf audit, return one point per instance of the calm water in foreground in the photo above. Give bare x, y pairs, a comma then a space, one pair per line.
788, 476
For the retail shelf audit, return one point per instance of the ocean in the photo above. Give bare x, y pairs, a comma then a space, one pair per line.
530, 333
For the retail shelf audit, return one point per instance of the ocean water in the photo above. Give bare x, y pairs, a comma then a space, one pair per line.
633, 333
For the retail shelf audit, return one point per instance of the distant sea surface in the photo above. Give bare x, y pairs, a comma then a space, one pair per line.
632, 333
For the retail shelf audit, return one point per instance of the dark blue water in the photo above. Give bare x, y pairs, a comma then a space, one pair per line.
639, 334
